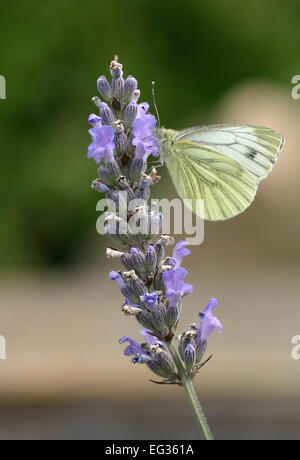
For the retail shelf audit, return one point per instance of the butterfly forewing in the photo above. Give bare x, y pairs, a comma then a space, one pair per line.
255, 148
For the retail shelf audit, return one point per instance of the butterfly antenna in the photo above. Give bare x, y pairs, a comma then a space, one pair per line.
154, 103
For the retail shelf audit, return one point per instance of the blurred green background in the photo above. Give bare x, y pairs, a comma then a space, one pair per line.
213, 61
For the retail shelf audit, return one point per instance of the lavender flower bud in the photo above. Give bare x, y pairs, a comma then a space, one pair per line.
99, 186
160, 245
160, 252
130, 275
106, 113
138, 261
123, 183
126, 261
155, 223
125, 289
117, 278
136, 168
186, 338
105, 176
158, 319
136, 95
135, 283
129, 310
129, 294
121, 139
126, 193
158, 282
104, 88
129, 192
173, 313
162, 364
139, 224
154, 320
130, 113
201, 346
114, 169
116, 228
121, 142
117, 85
138, 287
189, 357
96, 101
130, 86
154, 177
116, 68
166, 240
145, 319
119, 126
143, 191
112, 253
114, 195
150, 260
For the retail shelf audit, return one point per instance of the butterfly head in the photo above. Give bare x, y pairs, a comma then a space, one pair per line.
165, 138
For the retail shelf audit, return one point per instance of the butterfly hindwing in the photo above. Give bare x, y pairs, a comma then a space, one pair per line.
202, 172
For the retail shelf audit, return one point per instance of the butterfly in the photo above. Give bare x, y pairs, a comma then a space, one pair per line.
220, 164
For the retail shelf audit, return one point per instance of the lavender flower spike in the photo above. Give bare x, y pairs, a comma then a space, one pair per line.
152, 283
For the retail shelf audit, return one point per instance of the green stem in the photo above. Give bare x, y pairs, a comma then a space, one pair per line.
187, 383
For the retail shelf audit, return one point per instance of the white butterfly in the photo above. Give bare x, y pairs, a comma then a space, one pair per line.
221, 164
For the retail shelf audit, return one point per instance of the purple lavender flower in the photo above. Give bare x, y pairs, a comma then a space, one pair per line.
102, 144
150, 338
150, 299
180, 251
196, 337
151, 353
208, 322
175, 285
143, 108
136, 350
95, 120
143, 139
